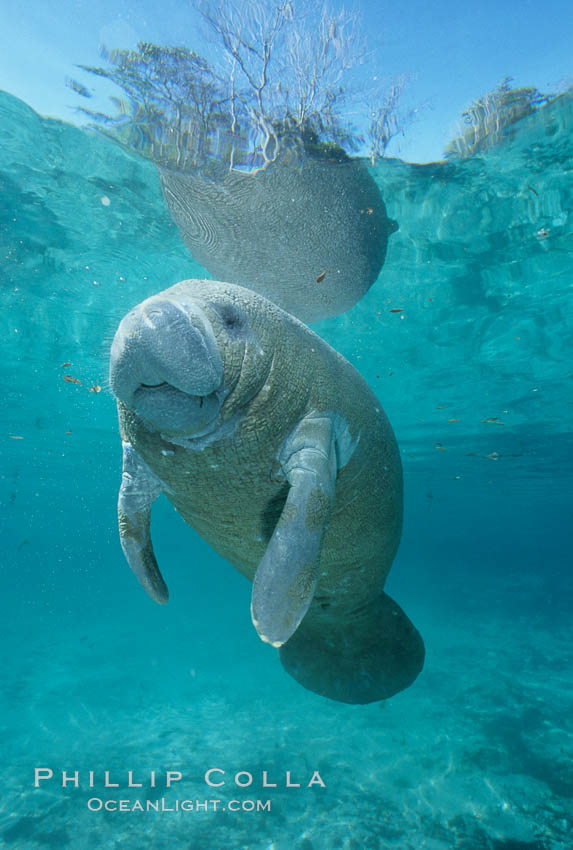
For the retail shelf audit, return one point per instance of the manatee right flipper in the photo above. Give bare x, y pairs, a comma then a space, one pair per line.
369, 655
140, 487
286, 577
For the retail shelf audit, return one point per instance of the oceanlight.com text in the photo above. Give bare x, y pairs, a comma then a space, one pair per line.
97, 804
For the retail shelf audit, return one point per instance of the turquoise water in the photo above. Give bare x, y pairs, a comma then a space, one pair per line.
475, 375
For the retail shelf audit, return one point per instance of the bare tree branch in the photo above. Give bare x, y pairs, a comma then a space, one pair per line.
282, 77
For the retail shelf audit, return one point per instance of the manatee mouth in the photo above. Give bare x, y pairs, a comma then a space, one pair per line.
172, 411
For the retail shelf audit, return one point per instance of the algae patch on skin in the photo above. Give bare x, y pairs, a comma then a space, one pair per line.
317, 509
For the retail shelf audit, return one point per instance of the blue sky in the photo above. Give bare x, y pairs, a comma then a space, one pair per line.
454, 51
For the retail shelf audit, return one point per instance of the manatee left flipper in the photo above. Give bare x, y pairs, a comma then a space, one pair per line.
140, 487
286, 577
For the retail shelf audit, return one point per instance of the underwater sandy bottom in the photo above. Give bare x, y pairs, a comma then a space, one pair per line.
477, 754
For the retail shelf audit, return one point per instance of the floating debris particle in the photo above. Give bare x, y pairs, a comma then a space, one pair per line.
396, 310
15, 437
442, 406
369, 211
439, 447
320, 277
453, 420
95, 389
531, 189
68, 433
493, 456
543, 233
493, 420
65, 365
71, 380
105, 200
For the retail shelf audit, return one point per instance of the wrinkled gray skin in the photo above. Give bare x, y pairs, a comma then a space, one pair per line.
275, 450
276, 232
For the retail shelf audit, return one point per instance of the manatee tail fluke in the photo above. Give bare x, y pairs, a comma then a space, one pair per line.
368, 656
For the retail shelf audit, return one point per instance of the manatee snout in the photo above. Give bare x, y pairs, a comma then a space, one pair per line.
165, 365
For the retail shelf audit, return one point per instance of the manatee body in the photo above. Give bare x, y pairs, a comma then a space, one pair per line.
274, 449
308, 233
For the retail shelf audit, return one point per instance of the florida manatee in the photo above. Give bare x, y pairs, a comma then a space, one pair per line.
275, 450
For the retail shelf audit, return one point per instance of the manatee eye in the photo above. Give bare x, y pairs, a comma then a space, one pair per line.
231, 317
154, 386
